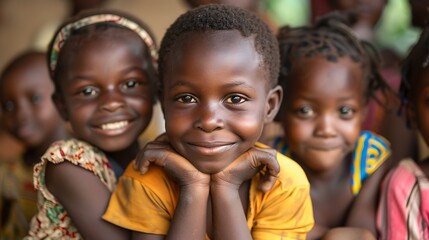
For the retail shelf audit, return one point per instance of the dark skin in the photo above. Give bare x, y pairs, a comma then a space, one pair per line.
107, 97
417, 108
211, 129
28, 113
322, 125
388, 123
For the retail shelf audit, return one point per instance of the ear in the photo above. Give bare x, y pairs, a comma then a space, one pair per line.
60, 105
274, 100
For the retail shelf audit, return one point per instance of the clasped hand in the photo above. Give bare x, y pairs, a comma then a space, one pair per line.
160, 153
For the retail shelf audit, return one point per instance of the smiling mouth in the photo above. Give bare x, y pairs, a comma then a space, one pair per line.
114, 125
325, 149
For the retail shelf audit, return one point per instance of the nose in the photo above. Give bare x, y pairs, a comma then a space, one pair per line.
325, 126
112, 100
209, 118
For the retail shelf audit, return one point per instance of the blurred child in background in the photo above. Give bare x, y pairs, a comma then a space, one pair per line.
29, 115
404, 206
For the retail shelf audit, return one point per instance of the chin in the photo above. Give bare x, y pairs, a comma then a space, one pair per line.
210, 168
113, 146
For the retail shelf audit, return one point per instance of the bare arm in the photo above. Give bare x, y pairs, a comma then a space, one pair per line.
85, 198
190, 216
189, 221
363, 211
229, 219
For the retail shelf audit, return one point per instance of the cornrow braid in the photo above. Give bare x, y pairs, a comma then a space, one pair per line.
330, 37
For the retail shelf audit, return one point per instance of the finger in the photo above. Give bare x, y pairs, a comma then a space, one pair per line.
267, 183
144, 165
270, 162
143, 161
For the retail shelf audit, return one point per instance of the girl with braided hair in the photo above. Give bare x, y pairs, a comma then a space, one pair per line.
328, 76
404, 205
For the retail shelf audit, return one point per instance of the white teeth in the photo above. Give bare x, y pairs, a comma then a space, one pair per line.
115, 125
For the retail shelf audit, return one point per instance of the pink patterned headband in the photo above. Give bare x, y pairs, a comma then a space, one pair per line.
66, 31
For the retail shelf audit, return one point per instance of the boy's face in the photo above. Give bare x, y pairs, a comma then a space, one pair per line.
323, 111
28, 111
105, 92
216, 98
419, 108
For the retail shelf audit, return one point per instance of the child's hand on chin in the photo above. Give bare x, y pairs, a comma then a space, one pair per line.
246, 166
160, 153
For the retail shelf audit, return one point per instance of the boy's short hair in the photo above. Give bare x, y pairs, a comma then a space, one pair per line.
217, 17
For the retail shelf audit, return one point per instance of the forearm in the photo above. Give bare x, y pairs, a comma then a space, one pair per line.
189, 221
229, 218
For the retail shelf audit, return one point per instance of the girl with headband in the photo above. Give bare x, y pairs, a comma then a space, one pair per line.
103, 65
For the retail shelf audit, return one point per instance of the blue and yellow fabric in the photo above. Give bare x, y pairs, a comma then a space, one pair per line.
371, 151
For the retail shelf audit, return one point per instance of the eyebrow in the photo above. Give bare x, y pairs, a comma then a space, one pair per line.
132, 68
124, 71
309, 98
228, 85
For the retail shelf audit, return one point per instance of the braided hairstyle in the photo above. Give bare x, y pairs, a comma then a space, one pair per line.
331, 38
219, 17
417, 60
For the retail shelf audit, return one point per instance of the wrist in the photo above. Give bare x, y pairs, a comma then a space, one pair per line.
223, 187
195, 188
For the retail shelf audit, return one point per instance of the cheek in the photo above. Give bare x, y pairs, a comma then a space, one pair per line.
350, 130
176, 123
247, 126
47, 112
7, 121
297, 130
143, 106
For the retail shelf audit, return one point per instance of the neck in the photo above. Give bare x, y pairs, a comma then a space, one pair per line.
328, 176
125, 156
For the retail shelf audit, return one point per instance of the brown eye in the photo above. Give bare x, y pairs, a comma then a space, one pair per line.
88, 91
186, 99
305, 112
35, 99
8, 106
235, 99
346, 112
131, 84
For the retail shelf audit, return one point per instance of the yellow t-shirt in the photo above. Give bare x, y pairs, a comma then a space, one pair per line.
146, 203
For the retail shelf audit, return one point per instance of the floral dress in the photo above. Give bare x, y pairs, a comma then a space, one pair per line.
52, 220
